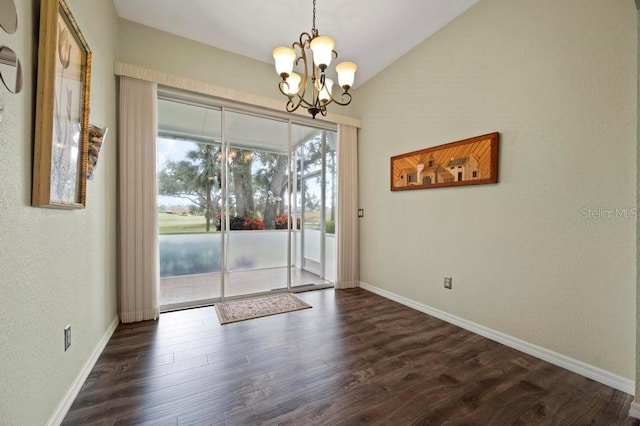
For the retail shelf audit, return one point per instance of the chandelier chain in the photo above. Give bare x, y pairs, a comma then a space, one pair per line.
313, 30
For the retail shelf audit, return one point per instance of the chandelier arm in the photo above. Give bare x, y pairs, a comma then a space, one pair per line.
292, 106
345, 95
281, 86
304, 39
302, 101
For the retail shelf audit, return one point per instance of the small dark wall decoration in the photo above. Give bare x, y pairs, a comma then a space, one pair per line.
472, 161
97, 135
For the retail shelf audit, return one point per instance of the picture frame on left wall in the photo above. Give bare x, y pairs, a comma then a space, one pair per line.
62, 110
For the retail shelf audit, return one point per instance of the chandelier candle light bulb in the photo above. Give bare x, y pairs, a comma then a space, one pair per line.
346, 74
312, 56
322, 48
325, 91
293, 84
284, 57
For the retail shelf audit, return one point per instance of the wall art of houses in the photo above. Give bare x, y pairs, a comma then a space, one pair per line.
472, 161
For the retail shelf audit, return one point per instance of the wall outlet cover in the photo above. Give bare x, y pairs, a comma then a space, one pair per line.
67, 337
448, 281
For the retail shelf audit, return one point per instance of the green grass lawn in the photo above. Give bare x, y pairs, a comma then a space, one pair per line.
175, 223
170, 223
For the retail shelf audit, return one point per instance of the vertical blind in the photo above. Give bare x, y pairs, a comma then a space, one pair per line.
139, 272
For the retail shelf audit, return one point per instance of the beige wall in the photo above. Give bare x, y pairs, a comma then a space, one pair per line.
557, 79
58, 267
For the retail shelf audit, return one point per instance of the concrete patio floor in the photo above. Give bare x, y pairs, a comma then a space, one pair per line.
176, 291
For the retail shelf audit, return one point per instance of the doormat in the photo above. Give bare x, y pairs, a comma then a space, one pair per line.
240, 310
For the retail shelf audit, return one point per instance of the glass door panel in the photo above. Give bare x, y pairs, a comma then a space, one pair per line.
331, 205
314, 198
312, 218
257, 209
189, 155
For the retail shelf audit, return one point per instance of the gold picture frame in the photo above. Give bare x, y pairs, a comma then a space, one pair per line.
472, 161
62, 110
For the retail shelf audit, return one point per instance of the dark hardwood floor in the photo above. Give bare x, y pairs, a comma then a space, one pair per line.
355, 358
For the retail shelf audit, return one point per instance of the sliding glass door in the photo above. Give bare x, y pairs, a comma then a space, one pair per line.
257, 242
246, 204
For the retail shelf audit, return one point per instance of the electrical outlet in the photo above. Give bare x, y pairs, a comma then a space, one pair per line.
360, 212
67, 337
448, 281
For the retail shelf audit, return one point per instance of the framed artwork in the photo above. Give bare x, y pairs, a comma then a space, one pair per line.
472, 161
62, 110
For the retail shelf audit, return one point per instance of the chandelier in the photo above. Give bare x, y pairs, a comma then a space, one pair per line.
294, 86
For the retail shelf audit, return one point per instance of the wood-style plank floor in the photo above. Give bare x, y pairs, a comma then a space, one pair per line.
354, 358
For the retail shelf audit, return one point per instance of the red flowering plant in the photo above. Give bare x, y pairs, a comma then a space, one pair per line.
282, 221
253, 222
237, 223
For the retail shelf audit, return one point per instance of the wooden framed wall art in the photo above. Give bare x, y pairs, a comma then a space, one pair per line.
472, 161
62, 110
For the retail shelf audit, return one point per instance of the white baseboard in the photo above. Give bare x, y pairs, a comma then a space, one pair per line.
634, 410
63, 407
579, 367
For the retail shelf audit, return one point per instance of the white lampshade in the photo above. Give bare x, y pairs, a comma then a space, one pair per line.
292, 84
284, 57
346, 74
322, 47
326, 90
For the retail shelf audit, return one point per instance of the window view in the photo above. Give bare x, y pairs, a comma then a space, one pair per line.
211, 247
189, 182
189, 154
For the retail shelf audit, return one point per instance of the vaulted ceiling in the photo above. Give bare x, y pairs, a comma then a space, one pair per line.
371, 33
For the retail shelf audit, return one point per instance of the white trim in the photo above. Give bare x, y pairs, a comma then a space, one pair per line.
177, 82
599, 375
63, 407
634, 410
